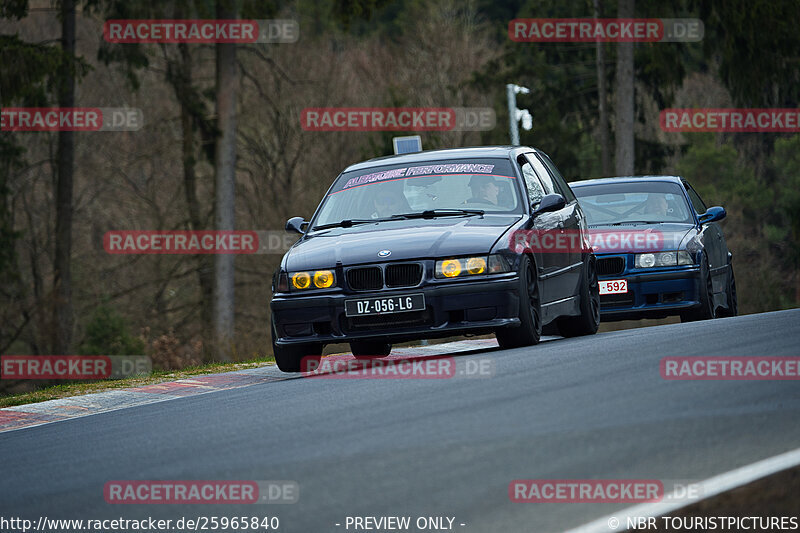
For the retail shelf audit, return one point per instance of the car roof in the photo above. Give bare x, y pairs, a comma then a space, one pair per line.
449, 153
625, 179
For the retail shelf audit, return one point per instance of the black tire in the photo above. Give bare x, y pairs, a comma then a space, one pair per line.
706, 310
530, 310
588, 321
733, 302
370, 349
296, 357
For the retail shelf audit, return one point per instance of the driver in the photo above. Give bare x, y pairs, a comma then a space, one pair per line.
485, 190
656, 204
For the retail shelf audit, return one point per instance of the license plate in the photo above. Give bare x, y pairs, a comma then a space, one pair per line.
384, 305
614, 286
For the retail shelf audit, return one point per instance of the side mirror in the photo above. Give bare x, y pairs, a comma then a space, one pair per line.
713, 214
295, 224
550, 203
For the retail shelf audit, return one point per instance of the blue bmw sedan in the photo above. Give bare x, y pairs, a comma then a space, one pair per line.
659, 249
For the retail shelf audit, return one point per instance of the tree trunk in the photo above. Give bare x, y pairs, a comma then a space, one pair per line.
225, 161
62, 276
602, 100
625, 99
205, 274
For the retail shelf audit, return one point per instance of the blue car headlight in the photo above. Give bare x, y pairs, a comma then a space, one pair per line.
663, 259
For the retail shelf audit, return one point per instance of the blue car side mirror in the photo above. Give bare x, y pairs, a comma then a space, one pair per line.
713, 215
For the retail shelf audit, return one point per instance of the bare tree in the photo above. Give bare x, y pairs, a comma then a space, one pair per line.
602, 99
62, 274
625, 99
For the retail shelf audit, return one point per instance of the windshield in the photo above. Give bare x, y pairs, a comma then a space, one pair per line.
377, 193
645, 202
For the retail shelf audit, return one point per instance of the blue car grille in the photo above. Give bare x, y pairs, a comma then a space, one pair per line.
610, 266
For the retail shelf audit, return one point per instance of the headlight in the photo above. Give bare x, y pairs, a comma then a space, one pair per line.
468, 266
449, 268
322, 279
476, 265
663, 259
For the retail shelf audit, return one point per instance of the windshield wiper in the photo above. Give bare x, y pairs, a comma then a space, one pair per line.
432, 213
350, 222
635, 222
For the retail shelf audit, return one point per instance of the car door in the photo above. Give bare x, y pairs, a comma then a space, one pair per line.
546, 222
713, 242
574, 224
558, 257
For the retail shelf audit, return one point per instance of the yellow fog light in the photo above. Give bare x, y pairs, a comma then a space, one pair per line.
451, 268
323, 279
476, 265
301, 280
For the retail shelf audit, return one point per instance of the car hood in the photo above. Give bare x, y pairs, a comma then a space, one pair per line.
651, 237
405, 239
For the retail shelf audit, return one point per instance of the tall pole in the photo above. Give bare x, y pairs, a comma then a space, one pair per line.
511, 94
223, 291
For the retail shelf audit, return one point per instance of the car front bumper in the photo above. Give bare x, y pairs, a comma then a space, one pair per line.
652, 294
451, 308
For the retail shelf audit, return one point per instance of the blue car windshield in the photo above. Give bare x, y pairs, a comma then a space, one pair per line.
632, 202
488, 185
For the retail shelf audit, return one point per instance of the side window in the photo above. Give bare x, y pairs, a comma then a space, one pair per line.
697, 202
565, 190
532, 184
544, 176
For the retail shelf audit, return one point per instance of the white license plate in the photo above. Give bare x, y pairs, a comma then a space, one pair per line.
614, 286
385, 305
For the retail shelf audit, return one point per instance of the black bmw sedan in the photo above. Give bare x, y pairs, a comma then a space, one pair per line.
421, 246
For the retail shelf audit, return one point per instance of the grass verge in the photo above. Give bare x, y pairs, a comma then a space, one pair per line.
79, 388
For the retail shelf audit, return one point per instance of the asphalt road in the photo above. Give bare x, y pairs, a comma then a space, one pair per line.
592, 407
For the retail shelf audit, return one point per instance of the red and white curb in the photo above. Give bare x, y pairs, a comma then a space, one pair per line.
37, 414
